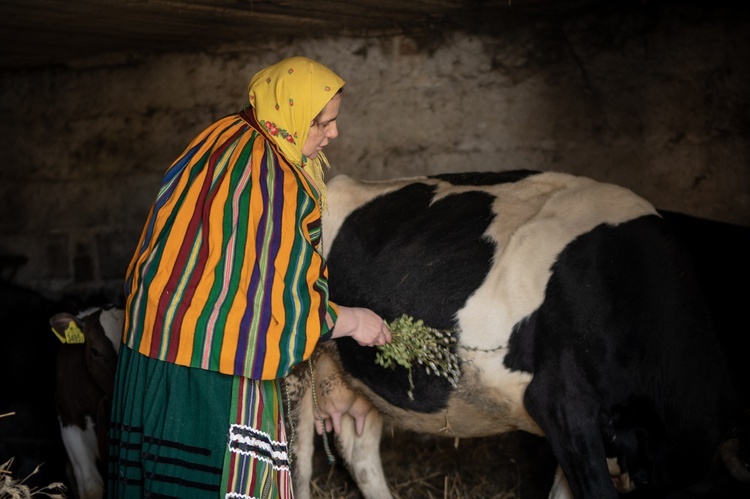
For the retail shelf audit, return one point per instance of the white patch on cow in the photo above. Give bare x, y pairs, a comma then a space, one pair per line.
113, 320
83, 452
85, 313
536, 219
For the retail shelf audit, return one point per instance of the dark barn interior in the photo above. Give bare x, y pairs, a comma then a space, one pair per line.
46, 33
99, 96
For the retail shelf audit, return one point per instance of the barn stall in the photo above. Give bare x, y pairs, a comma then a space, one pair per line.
98, 97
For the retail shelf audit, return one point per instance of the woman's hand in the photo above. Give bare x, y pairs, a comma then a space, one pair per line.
363, 325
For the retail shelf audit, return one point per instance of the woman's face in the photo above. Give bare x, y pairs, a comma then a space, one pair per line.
324, 130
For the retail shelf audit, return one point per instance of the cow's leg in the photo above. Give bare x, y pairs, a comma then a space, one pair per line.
560, 487
303, 445
82, 449
570, 421
361, 455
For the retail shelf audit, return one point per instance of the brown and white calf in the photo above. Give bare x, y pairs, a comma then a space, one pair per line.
86, 364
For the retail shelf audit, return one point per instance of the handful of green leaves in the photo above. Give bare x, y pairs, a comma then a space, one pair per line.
412, 341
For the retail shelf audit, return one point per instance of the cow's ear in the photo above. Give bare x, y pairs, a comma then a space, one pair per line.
67, 328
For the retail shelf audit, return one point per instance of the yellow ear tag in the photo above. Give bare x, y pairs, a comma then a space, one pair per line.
73, 334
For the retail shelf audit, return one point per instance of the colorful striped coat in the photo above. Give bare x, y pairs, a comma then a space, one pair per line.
228, 274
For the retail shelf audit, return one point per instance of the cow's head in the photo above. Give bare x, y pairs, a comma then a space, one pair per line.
99, 330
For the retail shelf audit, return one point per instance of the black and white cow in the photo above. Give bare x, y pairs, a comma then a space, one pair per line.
579, 318
86, 365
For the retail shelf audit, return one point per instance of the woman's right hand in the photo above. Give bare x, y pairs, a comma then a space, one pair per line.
363, 325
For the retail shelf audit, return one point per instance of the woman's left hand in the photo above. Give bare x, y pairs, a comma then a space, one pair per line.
363, 325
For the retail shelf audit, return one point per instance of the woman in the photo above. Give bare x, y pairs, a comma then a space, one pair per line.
227, 291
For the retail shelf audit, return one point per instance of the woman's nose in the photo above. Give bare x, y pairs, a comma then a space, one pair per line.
333, 131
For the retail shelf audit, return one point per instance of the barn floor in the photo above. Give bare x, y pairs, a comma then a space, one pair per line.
512, 466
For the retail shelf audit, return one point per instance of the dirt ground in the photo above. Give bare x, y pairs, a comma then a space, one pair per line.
512, 466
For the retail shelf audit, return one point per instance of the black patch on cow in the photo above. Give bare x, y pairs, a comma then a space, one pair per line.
623, 319
485, 178
400, 254
720, 252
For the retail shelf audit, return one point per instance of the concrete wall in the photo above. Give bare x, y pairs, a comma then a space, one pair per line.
653, 98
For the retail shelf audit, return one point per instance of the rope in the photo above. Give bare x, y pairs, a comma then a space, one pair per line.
326, 446
290, 418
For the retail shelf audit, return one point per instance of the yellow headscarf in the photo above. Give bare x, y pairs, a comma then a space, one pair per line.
287, 96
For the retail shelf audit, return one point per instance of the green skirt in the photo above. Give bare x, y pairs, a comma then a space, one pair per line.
178, 432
